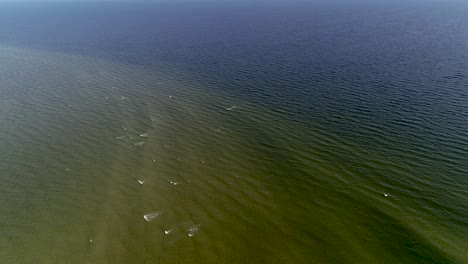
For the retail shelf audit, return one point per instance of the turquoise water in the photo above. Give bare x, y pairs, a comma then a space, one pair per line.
192, 143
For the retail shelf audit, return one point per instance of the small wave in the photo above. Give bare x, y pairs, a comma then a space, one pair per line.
141, 181
144, 134
139, 144
151, 216
231, 108
192, 230
120, 137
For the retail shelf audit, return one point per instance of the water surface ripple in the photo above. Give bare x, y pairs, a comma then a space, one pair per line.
250, 154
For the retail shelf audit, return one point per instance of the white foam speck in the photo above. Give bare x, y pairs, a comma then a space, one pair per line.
385, 195
170, 96
151, 216
91, 241
173, 183
141, 181
154, 160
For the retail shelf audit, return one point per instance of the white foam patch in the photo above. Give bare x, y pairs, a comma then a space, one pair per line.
167, 232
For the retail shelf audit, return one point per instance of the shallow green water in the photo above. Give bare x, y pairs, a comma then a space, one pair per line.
222, 180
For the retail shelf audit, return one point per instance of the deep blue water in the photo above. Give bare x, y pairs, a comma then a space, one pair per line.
381, 52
